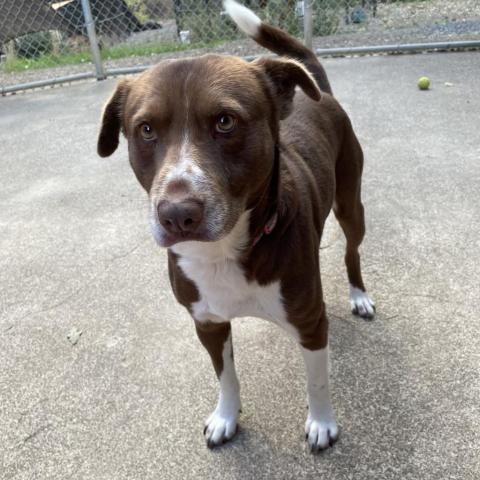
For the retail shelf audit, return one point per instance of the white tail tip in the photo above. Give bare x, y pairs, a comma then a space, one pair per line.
243, 17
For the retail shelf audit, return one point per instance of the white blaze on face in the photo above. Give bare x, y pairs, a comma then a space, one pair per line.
186, 168
187, 174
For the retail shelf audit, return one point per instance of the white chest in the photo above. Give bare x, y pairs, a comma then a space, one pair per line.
223, 289
226, 294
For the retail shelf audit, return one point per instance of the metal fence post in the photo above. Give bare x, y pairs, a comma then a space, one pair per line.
308, 23
92, 38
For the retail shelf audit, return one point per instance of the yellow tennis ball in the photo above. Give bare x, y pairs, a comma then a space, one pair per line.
423, 83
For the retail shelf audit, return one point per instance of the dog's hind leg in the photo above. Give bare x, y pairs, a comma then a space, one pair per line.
221, 426
348, 210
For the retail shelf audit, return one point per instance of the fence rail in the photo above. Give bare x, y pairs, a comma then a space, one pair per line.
46, 42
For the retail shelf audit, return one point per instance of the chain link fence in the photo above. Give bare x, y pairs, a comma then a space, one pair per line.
44, 42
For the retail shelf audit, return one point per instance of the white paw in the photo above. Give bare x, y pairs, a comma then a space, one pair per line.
361, 303
220, 427
320, 433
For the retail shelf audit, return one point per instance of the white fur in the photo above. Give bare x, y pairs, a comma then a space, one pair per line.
320, 428
361, 303
224, 291
157, 231
186, 168
243, 17
222, 423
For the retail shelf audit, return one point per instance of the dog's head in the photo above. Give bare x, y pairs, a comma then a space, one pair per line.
201, 137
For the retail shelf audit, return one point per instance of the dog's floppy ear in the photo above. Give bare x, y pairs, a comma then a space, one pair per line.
112, 120
284, 76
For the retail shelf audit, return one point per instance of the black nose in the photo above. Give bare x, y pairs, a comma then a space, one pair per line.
180, 217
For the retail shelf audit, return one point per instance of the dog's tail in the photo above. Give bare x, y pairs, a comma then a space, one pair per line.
277, 41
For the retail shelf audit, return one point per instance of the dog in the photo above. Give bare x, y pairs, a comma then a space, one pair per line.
242, 162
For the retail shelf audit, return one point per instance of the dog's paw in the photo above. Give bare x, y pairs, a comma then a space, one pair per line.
320, 434
220, 428
361, 303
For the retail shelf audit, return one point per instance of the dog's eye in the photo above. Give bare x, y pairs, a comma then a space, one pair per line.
147, 132
225, 123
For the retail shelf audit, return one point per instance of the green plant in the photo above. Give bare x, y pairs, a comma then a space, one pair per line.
326, 17
33, 45
71, 58
147, 49
283, 15
204, 21
46, 60
146, 10
286, 15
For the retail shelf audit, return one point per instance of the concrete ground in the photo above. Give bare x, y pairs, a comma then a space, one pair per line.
128, 400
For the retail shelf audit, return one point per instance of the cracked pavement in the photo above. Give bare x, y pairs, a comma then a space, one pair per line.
128, 400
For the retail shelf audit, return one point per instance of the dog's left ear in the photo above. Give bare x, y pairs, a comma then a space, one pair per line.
112, 120
284, 76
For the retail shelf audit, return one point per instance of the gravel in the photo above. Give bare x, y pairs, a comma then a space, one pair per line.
413, 22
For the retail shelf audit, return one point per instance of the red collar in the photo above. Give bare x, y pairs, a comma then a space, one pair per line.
267, 229
272, 221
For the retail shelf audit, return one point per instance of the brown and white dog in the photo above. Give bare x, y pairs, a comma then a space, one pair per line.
242, 169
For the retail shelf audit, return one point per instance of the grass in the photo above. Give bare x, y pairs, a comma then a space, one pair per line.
47, 60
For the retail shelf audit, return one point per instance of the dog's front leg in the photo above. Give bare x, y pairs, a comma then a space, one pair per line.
221, 426
320, 429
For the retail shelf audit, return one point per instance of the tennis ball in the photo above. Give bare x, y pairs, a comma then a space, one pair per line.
423, 83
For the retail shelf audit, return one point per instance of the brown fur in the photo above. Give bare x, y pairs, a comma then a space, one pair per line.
320, 159
293, 153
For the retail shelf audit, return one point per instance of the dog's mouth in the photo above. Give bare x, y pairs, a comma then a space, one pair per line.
169, 240
218, 222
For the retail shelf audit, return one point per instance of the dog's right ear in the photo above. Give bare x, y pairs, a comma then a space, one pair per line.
284, 75
112, 120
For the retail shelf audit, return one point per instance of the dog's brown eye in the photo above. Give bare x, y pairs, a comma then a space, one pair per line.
147, 131
225, 123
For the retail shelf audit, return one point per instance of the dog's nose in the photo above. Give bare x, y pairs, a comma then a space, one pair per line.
180, 217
